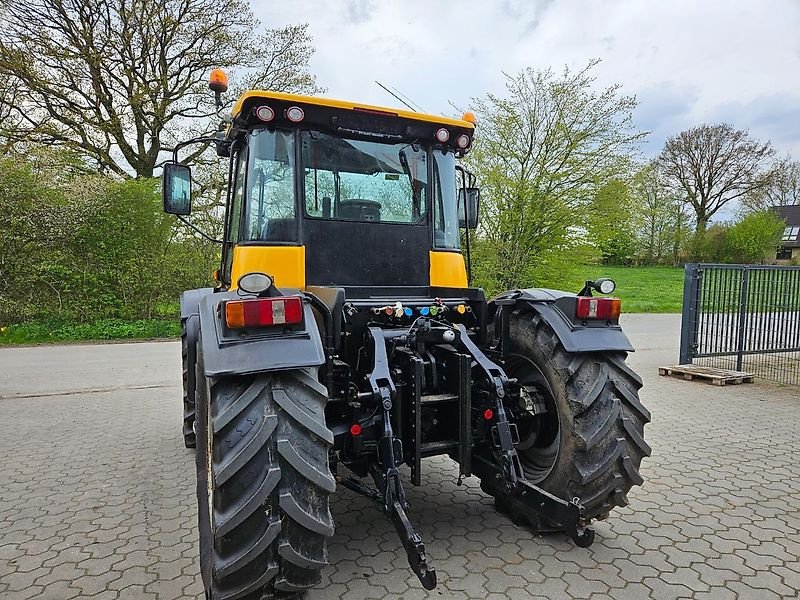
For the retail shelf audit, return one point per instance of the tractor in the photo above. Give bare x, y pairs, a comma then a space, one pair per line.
343, 345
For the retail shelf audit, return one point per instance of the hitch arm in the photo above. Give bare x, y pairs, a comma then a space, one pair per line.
385, 471
567, 515
415, 549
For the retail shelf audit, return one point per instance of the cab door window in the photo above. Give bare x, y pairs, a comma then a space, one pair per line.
270, 199
237, 195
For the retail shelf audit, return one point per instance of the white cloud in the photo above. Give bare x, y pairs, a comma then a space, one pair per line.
687, 61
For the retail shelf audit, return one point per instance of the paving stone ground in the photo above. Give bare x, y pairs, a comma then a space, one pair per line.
97, 495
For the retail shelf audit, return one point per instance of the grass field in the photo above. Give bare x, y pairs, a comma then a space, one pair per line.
43, 332
642, 289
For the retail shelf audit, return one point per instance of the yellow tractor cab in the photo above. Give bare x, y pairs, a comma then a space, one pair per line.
326, 192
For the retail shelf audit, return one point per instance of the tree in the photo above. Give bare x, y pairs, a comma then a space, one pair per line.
711, 165
659, 219
542, 151
782, 189
610, 222
116, 80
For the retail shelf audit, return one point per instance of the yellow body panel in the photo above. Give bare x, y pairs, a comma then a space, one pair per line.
330, 102
285, 264
448, 270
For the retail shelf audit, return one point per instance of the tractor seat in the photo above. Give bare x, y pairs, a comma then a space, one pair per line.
359, 209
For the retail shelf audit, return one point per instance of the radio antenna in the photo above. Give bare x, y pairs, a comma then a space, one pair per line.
398, 95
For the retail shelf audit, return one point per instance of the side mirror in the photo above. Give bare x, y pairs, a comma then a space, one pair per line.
177, 189
473, 200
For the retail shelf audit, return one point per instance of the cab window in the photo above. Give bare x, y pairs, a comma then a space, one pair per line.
358, 180
270, 206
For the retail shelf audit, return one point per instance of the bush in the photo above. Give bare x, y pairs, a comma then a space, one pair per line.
85, 248
750, 240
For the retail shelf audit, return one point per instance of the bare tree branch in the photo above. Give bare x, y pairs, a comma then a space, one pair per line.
712, 165
114, 79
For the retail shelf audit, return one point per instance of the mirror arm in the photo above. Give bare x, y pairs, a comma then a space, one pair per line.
195, 228
197, 140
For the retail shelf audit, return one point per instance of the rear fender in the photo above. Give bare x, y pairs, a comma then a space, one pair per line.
227, 352
190, 301
557, 308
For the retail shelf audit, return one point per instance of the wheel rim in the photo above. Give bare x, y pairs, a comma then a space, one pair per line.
539, 434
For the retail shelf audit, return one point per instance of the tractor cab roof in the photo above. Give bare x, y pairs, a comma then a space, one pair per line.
348, 119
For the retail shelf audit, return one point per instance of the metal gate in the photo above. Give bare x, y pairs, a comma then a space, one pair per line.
743, 317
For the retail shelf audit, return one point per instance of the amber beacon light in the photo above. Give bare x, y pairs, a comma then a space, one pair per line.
218, 81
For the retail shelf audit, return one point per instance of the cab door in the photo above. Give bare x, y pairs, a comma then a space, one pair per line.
234, 214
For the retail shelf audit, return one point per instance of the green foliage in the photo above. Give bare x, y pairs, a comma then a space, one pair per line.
750, 240
83, 248
755, 237
660, 221
106, 329
610, 222
542, 151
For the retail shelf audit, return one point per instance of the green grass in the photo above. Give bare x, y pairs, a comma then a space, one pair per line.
642, 289
109, 329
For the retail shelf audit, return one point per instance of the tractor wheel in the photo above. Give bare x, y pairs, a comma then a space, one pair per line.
580, 423
263, 483
188, 354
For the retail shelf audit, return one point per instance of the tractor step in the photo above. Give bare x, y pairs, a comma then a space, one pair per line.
435, 448
437, 398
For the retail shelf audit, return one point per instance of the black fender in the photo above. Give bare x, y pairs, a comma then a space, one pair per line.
557, 308
192, 329
227, 352
190, 301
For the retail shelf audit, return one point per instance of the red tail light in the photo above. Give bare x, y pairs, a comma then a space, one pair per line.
262, 312
598, 308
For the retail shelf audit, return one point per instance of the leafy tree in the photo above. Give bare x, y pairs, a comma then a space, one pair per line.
116, 80
610, 222
782, 189
543, 149
711, 165
661, 225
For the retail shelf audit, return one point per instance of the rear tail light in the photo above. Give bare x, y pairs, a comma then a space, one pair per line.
262, 312
598, 308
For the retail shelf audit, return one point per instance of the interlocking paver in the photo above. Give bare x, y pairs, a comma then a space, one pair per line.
97, 499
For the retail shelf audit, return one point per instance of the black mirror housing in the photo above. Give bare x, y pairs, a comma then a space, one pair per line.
176, 191
473, 199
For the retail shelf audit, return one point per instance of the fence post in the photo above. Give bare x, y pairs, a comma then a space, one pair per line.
691, 278
742, 320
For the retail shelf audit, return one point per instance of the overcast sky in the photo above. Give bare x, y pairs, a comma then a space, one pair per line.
687, 62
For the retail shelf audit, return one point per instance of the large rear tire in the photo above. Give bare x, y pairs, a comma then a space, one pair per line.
263, 482
589, 441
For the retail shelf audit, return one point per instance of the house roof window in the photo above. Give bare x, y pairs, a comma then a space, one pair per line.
790, 234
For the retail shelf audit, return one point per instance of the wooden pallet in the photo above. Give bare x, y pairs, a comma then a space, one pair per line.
707, 374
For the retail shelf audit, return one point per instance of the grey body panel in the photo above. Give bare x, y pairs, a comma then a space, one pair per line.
190, 301
557, 308
229, 353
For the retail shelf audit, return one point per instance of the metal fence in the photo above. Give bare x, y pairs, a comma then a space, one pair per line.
744, 318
